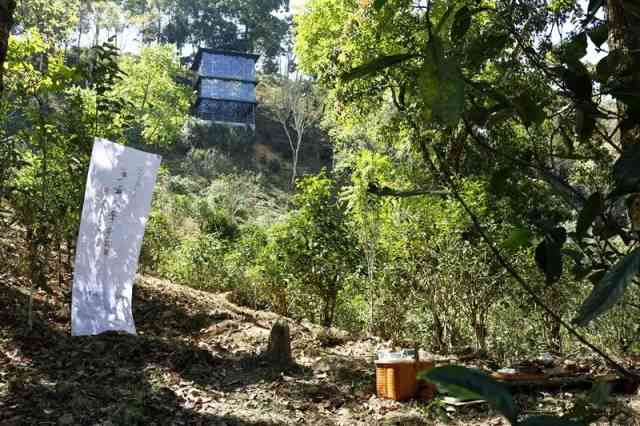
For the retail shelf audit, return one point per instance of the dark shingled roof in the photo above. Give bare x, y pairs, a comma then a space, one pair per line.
198, 58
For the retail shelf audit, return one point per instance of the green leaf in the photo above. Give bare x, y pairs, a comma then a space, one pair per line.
626, 172
585, 122
548, 256
499, 182
495, 43
597, 276
379, 4
599, 33
466, 383
593, 207
549, 421
441, 87
575, 49
519, 237
577, 79
609, 291
376, 65
593, 7
461, 24
440, 28
609, 65
528, 109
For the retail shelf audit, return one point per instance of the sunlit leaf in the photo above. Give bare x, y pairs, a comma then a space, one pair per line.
518, 237
609, 291
441, 87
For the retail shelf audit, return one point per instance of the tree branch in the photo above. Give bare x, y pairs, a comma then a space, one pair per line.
389, 192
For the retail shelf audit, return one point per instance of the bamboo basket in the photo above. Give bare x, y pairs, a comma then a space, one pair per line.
396, 379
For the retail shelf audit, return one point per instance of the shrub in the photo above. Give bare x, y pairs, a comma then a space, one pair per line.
159, 238
197, 262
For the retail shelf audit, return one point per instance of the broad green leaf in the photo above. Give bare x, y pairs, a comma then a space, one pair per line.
597, 276
609, 291
603, 70
610, 65
376, 65
519, 237
549, 421
593, 7
466, 383
441, 87
577, 79
548, 256
585, 123
575, 49
626, 172
495, 43
379, 4
528, 109
599, 33
461, 24
499, 182
592, 208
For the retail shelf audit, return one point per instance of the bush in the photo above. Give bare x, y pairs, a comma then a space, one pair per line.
197, 262
160, 238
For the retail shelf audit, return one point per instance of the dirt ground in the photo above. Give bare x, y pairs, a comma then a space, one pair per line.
196, 360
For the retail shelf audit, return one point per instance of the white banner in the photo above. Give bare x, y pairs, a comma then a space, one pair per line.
116, 205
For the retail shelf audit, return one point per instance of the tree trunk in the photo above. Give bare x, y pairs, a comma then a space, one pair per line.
554, 335
294, 171
624, 36
329, 309
7, 8
478, 322
279, 350
438, 343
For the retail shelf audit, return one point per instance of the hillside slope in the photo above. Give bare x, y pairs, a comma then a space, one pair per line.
193, 362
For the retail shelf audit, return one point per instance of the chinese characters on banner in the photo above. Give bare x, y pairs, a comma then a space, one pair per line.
116, 205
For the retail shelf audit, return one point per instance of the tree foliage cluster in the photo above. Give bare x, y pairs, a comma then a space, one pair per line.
241, 25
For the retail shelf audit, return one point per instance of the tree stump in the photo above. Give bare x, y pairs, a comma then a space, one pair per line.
279, 350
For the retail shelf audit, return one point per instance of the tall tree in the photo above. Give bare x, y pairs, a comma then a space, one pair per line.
244, 25
296, 107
